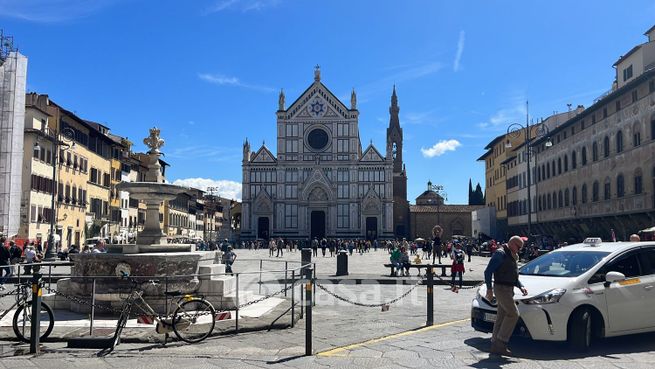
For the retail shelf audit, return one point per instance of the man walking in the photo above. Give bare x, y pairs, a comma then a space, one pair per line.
437, 231
504, 269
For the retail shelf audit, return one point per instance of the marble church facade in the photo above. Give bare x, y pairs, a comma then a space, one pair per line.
321, 183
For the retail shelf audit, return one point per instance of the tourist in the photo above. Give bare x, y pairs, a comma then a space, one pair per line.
323, 246
280, 247
229, 258
437, 231
31, 258
395, 261
351, 247
271, 247
315, 247
86, 249
635, 238
332, 245
469, 249
503, 268
457, 256
404, 261
5, 263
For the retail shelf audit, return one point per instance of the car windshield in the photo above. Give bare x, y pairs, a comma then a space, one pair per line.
563, 263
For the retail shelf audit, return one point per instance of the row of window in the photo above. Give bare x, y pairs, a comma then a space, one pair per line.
565, 198
39, 214
99, 178
561, 165
178, 220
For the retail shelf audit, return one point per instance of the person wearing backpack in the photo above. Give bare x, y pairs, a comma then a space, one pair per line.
457, 255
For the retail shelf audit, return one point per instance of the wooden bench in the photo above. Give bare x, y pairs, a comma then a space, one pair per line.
419, 267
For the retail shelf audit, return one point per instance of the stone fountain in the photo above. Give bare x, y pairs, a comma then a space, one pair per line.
179, 267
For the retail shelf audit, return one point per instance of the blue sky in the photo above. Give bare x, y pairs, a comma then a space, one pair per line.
208, 72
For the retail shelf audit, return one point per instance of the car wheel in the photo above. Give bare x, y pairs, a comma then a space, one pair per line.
580, 330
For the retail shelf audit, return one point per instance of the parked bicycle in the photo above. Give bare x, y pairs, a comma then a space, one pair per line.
193, 320
22, 321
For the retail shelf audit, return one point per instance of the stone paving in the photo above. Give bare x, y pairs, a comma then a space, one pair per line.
348, 336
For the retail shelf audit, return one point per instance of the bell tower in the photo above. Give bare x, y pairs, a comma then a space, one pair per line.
395, 152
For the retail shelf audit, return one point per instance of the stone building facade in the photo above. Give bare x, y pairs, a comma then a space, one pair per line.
322, 183
430, 210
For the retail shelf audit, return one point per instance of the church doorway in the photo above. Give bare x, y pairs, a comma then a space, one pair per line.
263, 228
318, 224
371, 228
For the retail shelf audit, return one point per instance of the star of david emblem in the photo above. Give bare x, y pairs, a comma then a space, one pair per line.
317, 108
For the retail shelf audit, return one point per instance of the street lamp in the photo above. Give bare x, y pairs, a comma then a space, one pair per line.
514, 131
64, 140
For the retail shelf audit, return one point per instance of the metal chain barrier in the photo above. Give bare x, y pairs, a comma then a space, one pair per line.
458, 288
368, 305
83, 301
12, 292
266, 297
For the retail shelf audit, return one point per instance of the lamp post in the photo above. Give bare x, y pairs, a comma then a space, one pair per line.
64, 140
212, 208
514, 131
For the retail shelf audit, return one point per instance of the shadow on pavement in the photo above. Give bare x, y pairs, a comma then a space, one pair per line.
545, 350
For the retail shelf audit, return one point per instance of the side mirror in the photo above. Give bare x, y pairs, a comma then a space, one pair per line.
614, 277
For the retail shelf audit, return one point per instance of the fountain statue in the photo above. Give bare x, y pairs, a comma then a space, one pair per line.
178, 266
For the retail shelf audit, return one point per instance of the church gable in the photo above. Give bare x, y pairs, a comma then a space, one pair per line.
371, 203
317, 180
371, 155
318, 102
264, 155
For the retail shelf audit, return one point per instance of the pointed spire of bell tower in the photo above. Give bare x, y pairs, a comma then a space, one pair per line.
394, 121
395, 134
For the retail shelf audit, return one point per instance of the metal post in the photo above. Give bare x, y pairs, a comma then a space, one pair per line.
314, 286
35, 329
302, 302
236, 320
286, 265
49, 275
18, 271
430, 289
308, 311
93, 307
260, 275
166, 294
293, 296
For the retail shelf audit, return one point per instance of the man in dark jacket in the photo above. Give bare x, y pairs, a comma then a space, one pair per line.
504, 269
5, 266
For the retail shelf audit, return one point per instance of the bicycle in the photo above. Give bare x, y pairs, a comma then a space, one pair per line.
21, 321
193, 320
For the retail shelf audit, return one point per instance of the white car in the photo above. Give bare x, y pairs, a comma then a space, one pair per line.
581, 292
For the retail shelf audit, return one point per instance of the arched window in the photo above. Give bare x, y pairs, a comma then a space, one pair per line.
636, 134
584, 156
638, 181
74, 195
606, 147
559, 166
583, 193
594, 152
574, 196
619, 141
620, 186
566, 163
548, 170
594, 191
539, 203
607, 188
549, 202
553, 167
652, 127
566, 197
560, 199
574, 159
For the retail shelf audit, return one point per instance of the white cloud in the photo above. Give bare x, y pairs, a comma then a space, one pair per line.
460, 50
225, 188
223, 80
241, 5
51, 11
441, 148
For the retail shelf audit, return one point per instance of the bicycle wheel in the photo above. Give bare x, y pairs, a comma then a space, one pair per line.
22, 322
194, 320
122, 321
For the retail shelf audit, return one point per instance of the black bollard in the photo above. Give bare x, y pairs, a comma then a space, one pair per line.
308, 311
430, 304
35, 319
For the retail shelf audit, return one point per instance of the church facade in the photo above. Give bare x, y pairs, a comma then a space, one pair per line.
321, 183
